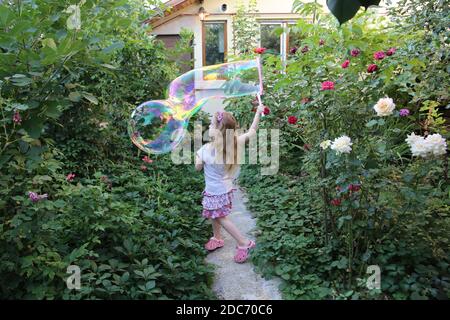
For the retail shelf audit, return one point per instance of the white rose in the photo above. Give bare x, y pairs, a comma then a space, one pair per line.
103, 125
325, 144
412, 138
436, 144
419, 147
342, 144
384, 107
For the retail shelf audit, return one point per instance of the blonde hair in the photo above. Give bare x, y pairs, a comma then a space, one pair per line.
225, 121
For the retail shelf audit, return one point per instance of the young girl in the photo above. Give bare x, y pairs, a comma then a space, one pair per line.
220, 171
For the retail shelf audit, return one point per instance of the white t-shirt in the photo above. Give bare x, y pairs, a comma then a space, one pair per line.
217, 181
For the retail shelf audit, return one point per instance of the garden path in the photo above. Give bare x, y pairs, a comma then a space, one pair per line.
235, 281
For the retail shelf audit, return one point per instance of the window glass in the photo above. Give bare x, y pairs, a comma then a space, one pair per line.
214, 43
270, 40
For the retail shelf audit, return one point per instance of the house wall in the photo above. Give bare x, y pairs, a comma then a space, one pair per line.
188, 18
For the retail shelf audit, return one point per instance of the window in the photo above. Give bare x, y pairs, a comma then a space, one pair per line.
294, 38
278, 44
269, 39
214, 44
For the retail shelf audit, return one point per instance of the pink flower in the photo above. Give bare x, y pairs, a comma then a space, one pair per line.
355, 52
293, 50
404, 112
259, 50
391, 51
336, 202
305, 49
266, 111
292, 119
328, 85
379, 55
305, 100
143, 168
17, 119
345, 64
321, 42
70, 177
146, 159
34, 197
372, 68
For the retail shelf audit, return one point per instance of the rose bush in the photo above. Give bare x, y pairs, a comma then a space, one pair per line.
359, 197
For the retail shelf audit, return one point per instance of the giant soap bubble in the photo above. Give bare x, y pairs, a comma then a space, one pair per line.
159, 126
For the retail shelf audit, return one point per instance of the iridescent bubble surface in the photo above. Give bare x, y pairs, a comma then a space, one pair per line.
159, 126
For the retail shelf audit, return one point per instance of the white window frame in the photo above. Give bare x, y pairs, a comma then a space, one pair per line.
283, 37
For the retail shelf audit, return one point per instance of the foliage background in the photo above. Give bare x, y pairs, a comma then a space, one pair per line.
133, 227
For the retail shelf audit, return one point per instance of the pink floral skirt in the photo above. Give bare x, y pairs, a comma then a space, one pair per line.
217, 206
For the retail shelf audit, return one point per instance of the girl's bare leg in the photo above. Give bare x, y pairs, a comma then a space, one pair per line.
216, 229
233, 231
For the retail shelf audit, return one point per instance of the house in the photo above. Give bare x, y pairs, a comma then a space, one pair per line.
211, 23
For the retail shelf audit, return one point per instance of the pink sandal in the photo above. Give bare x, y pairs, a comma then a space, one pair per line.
242, 252
214, 244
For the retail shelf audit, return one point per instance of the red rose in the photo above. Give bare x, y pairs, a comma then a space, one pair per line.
293, 50
292, 119
305, 49
328, 85
266, 111
355, 52
391, 51
259, 50
336, 202
372, 68
354, 187
345, 64
379, 55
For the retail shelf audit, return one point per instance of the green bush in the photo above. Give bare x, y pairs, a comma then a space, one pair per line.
134, 228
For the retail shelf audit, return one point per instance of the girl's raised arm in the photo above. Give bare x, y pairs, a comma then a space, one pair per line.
252, 130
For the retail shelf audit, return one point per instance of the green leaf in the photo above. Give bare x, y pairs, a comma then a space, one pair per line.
75, 96
6, 16
20, 80
33, 127
49, 42
90, 97
19, 106
371, 123
150, 285
115, 46
109, 66
343, 10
